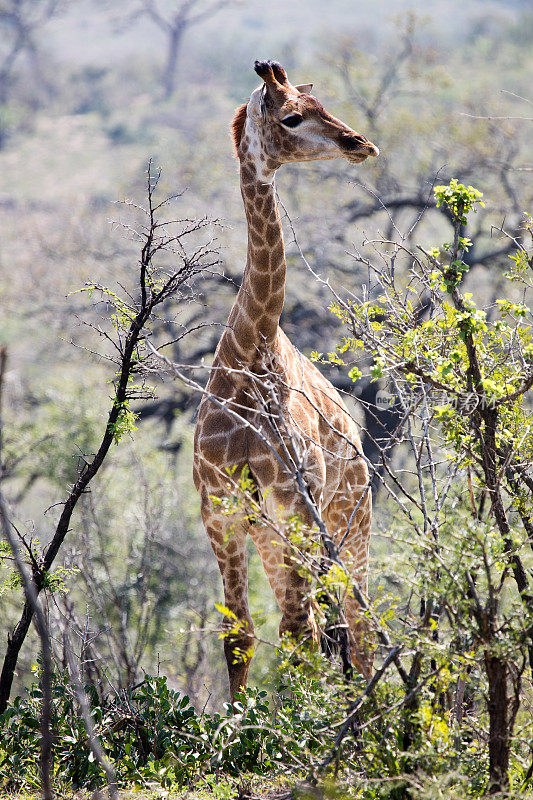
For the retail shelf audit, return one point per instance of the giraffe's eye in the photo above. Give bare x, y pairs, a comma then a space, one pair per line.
292, 120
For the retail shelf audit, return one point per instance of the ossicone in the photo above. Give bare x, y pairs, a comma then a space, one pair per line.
271, 72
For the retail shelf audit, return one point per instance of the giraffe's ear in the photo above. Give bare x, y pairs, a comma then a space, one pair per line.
304, 88
255, 103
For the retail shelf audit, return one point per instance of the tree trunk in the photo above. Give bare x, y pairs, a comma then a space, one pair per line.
169, 73
14, 643
499, 734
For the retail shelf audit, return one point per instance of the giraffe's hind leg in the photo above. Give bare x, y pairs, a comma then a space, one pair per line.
348, 519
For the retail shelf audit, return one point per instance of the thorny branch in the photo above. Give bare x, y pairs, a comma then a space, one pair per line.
155, 287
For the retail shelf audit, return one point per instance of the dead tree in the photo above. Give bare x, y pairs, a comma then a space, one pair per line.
156, 285
20, 22
174, 24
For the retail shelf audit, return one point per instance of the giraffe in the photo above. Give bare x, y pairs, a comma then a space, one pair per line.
239, 427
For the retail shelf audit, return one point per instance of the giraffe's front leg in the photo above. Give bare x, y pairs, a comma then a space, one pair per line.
298, 619
348, 519
228, 540
290, 588
295, 601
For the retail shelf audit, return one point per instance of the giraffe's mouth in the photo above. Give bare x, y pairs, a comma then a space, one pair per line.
357, 148
361, 155
356, 159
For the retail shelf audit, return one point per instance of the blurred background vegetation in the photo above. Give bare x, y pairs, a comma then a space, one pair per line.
89, 91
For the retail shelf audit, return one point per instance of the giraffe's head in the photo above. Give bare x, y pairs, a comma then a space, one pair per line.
283, 123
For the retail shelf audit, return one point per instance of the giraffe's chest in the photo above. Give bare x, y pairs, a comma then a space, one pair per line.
289, 434
272, 419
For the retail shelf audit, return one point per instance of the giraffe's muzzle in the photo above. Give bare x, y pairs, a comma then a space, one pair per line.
357, 148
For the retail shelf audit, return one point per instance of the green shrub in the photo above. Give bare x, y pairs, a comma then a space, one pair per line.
150, 733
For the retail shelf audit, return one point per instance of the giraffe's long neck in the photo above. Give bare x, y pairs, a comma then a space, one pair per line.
255, 315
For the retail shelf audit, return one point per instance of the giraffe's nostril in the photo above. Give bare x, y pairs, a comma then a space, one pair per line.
353, 143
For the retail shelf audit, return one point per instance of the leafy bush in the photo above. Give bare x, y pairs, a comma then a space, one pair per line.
151, 733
